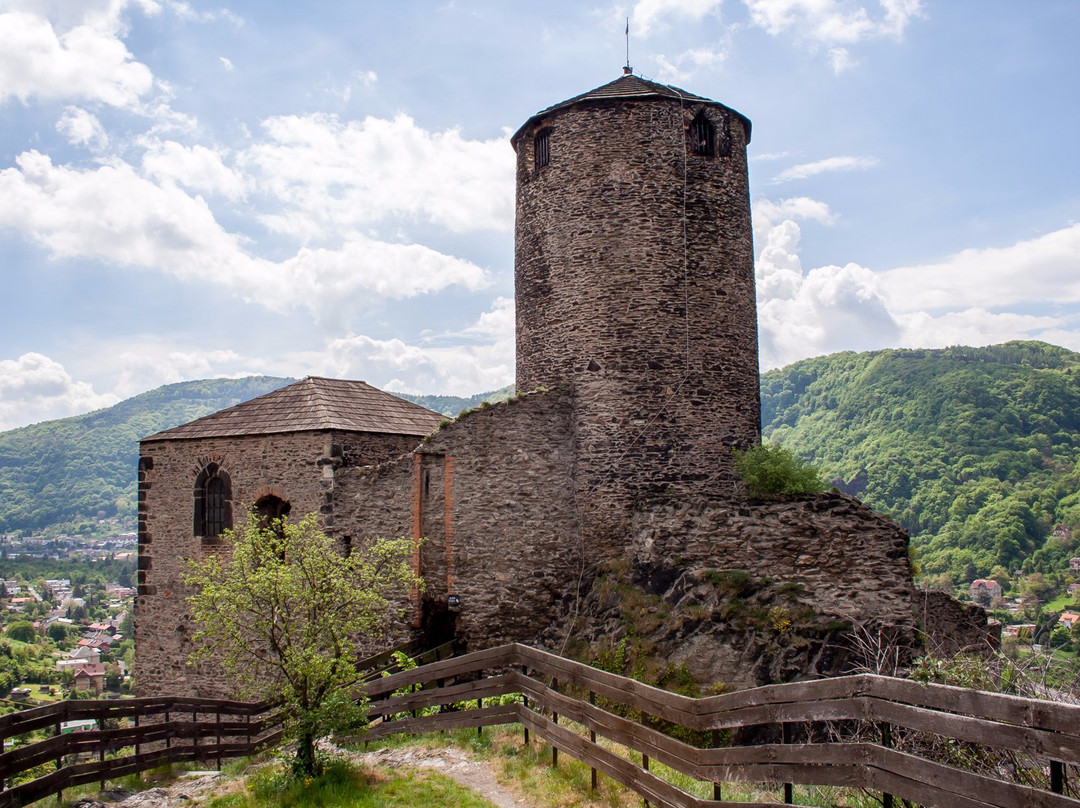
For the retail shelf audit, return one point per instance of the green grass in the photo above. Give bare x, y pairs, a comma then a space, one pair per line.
345, 786
1060, 603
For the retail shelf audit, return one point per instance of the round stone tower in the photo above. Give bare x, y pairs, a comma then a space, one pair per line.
634, 275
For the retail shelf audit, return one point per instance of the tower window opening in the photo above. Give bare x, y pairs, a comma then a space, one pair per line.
542, 148
213, 502
702, 136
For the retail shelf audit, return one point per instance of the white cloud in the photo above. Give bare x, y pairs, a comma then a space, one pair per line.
684, 66
834, 24
1043, 269
844, 163
485, 363
195, 167
36, 384
81, 57
227, 64
82, 128
975, 326
332, 175
648, 16
111, 213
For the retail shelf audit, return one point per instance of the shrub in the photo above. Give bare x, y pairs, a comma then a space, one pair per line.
772, 469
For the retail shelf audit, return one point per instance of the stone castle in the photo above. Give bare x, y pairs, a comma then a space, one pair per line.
637, 377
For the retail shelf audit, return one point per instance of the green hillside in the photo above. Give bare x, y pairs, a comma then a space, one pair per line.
973, 450
58, 471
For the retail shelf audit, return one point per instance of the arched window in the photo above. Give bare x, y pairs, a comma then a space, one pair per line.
213, 502
702, 136
271, 509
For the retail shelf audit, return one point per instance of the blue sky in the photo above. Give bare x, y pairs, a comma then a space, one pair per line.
190, 189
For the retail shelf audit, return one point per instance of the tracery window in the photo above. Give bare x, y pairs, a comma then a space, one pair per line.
213, 502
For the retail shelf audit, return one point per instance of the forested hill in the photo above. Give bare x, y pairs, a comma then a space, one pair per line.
57, 471
973, 450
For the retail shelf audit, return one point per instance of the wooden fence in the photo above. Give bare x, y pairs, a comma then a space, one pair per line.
928, 744
932, 745
125, 737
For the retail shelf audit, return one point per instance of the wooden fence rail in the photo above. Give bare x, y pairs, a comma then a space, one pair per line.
127, 736
871, 732
865, 731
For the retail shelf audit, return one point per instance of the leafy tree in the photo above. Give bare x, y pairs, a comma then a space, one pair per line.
22, 630
284, 617
772, 469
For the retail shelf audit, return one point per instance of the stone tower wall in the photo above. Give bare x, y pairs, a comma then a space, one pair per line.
635, 287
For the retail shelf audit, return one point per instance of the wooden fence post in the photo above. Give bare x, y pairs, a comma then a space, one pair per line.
59, 764
716, 786
168, 731
554, 720
645, 766
887, 742
524, 726
789, 788
217, 727
592, 738
480, 706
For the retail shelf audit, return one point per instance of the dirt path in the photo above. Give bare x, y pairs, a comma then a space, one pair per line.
196, 788
454, 763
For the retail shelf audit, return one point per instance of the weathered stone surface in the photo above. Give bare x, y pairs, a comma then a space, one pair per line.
634, 284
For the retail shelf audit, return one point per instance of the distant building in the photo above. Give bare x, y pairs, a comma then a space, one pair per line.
984, 591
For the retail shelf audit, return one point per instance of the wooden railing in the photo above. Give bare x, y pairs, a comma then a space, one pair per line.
127, 736
869, 732
825, 723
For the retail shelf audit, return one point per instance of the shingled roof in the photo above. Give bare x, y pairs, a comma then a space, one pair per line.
314, 404
628, 86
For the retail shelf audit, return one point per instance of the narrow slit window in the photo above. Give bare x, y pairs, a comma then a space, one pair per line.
542, 148
702, 136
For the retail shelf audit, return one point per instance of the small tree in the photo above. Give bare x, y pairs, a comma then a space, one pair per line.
284, 616
769, 468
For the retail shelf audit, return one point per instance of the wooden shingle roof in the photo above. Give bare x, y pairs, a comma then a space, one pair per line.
628, 86
314, 404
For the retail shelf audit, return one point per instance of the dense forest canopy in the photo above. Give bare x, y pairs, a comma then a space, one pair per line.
60, 471
973, 450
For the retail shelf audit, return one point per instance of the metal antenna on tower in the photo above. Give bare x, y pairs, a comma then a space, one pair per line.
627, 70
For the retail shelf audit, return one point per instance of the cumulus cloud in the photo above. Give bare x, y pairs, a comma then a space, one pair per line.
827, 309
331, 175
648, 16
227, 64
82, 128
988, 277
195, 167
684, 66
111, 213
834, 24
963, 300
36, 384
78, 55
445, 365
843, 163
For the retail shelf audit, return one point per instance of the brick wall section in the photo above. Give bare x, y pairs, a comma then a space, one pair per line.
661, 353
852, 562
500, 527
298, 467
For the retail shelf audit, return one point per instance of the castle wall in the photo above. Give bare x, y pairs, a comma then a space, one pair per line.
492, 494
635, 286
851, 562
297, 467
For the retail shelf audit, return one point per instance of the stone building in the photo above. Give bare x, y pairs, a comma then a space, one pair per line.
637, 377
